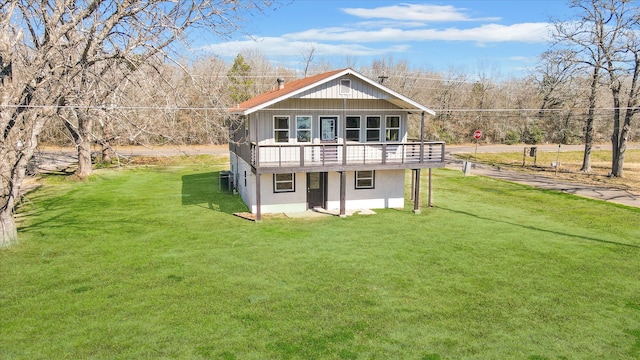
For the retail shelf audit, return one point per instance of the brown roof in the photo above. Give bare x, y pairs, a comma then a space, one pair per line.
289, 87
296, 86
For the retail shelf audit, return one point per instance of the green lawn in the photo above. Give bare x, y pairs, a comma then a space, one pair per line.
151, 263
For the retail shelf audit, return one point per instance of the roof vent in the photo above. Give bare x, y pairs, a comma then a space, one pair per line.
280, 83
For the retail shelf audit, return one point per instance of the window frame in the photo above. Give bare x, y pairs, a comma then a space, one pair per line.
309, 129
367, 128
389, 128
345, 86
371, 178
358, 129
277, 130
276, 182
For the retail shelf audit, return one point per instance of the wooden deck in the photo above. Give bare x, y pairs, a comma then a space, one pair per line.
350, 156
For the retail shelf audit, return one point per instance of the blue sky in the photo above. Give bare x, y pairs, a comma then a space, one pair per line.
503, 36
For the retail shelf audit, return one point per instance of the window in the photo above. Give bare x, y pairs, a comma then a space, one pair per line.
353, 128
345, 87
303, 128
393, 128
281, 128
365, 179
373, 128
284, 182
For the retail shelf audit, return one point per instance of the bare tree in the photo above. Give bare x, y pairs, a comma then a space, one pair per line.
605, 40
81, 109
622, 61
560, 85
307, 58
51, 45
581, 39
28, 98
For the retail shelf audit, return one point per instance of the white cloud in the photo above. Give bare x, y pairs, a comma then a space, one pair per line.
523, 59
282, 46
490, 33
341, 41
496, 33
387, 23
415, 12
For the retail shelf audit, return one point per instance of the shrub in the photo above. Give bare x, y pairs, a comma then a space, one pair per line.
513, 137
533, 135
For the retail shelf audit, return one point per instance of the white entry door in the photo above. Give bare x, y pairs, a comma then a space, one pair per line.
328, 128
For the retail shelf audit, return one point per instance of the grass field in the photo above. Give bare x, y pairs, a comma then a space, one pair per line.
151, 263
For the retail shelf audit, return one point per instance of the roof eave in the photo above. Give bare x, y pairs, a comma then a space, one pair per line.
397, 95
295, 92
411, 103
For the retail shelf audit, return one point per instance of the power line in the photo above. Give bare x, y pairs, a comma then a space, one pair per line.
181, 108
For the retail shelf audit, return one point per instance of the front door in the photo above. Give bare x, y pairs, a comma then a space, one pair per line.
328, 128
316, 190
329, 135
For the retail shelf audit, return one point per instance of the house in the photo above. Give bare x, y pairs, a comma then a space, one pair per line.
335, 141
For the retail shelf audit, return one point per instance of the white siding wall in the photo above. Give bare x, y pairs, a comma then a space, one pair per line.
273, 202
262, 122
244, 179
331, 89
388, 191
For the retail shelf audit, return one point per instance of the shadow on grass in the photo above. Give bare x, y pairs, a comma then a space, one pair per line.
205, 190
528, 227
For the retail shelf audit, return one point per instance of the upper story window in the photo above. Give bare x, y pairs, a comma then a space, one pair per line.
303, 128
373, 128
281, 128
353, 128
393, 128
345, 86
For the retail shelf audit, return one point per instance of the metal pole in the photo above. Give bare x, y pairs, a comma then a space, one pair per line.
558, 160
476, 155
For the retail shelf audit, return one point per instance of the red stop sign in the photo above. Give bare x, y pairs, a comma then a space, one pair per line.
477, 134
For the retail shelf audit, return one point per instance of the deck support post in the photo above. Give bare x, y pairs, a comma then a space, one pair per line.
343, 193
430, 203
416, 194
413, 186
258, 200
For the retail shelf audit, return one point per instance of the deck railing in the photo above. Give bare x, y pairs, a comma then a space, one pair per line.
310, 155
